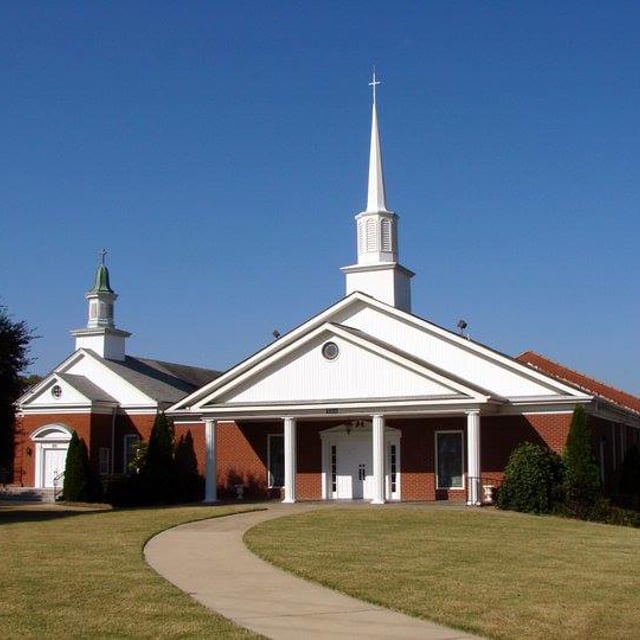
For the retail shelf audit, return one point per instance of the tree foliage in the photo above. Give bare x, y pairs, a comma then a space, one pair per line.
158, 473
582, 474
532, 480
80, 483
15, 338
189, 483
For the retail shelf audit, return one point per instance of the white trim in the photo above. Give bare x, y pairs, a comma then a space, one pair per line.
462, 462
49, 437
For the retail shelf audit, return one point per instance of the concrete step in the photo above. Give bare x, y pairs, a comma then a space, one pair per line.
26, 494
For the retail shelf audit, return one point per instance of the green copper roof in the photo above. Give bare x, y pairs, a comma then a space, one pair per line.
101, 284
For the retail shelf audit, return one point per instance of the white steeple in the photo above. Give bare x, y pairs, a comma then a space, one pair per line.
375, 197
101, 334
377, 271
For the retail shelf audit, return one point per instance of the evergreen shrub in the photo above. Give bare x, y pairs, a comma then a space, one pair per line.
582, 474
80, 483
532, 480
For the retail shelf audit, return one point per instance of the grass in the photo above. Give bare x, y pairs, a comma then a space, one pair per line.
73, 573
498, 574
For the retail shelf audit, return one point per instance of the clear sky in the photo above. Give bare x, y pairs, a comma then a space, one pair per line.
218, 151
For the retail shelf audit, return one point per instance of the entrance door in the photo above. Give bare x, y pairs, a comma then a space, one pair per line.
354, 469
53, 464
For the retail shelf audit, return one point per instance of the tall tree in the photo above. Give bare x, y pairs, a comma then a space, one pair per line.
582, 474
158, 472
15, 337
80, 483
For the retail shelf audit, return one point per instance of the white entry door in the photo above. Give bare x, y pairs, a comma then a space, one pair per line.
354, 469
53, 463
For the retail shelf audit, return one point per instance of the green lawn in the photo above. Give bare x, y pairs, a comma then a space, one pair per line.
67, 574
498, 574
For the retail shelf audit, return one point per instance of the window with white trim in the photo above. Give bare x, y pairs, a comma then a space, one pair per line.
449, 460
275, 460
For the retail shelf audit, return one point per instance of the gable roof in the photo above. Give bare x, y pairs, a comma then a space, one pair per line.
86, 387
159, 382
401, 336
580, 380
163, 381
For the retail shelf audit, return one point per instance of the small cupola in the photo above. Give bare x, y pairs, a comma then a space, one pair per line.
101, 335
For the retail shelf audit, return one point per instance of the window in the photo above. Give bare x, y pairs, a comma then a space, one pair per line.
129, 453
449, 462
104, 461
275, 460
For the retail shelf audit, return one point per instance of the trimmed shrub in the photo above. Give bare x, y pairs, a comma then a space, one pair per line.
80, 483
582, 474
532, 480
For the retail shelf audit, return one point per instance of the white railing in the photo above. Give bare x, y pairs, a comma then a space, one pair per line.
58, 483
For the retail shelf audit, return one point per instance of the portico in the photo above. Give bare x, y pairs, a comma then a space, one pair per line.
361, 457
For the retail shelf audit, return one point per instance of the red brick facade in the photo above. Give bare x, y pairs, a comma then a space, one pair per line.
242, 456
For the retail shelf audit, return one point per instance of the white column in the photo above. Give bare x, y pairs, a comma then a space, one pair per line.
378, 459
289, 460
473, 458
210, 485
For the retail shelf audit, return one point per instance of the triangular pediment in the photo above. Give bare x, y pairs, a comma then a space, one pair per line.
354, 368
54, 391
390, 354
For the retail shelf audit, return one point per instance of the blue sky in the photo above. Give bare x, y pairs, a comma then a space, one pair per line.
218, 150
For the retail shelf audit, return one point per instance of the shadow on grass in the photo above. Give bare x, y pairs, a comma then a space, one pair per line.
10, 513
43, 512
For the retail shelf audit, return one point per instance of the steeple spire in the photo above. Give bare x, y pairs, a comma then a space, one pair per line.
376, 200
377, 271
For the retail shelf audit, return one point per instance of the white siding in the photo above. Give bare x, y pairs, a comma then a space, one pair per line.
305, 375
450, 356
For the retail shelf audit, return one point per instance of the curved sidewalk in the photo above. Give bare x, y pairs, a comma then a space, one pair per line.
209, 561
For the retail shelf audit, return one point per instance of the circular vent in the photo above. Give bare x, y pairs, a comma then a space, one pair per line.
330, 350
56, 391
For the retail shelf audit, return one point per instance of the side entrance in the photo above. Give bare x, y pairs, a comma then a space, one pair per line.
51, 443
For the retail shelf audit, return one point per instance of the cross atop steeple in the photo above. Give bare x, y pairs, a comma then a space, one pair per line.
373, 84
102, 255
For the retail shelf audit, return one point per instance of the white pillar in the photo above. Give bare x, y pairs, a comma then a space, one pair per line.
378, 459
210, 485
474, 492
289, 460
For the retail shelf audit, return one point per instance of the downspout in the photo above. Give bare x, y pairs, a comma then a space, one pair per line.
114, 412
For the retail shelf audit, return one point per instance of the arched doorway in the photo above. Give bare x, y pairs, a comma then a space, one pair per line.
51, 445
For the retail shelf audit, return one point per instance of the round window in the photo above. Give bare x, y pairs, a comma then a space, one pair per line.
56, 391
330, 350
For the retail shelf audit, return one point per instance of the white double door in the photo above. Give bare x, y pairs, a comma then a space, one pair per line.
354, 469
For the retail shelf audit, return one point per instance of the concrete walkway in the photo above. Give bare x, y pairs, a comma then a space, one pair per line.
209, 561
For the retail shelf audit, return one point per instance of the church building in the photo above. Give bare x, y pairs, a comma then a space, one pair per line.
363, 401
